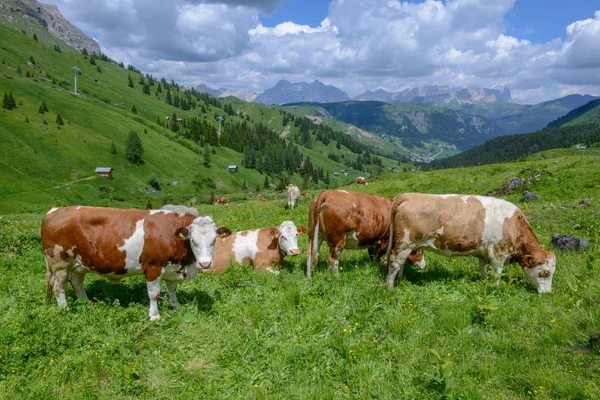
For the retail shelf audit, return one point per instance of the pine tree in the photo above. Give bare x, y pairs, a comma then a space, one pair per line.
133, 109
35, 37
113, 148
129, 80
31, 60
84, 52
8, 102
257, 188
207, 155
168, 100
134, 149
244, 185
146, 89
43, 107
266, 184
59, 119
93, 60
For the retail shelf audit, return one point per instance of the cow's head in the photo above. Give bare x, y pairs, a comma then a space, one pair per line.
201, 235
287, 235
540, 276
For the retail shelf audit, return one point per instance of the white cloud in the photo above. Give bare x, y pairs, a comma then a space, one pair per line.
361, 45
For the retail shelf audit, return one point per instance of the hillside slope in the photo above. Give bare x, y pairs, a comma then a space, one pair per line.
57, 162
588, 113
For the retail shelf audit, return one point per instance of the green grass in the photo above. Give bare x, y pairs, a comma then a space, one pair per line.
442, 333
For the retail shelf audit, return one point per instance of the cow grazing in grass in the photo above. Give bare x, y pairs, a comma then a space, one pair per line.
350, 220
261, 198
115, 243
492, 230
264, 248
220, 200
361, 181
293, 194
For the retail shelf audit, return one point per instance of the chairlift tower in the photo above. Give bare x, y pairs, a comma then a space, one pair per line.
75, 86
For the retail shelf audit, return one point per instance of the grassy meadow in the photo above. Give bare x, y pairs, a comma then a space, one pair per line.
441, 333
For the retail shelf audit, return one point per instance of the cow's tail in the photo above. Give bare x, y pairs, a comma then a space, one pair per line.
391, 240
313, 234
48, 284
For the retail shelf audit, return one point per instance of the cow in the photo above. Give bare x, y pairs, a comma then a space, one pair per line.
261, 198
117, 243
350, 220
293, 193
361, 181
304, 193
264, 248
220, 200
492, 230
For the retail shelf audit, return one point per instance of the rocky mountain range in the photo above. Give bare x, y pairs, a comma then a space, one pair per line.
39, 16
285, 92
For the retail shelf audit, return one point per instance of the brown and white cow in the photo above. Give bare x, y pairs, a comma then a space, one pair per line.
293, 194
361, 181
350, 220
220, 200
261, 198
117, 243
492, 230
263, 248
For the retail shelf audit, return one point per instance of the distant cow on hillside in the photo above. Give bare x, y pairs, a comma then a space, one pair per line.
361, 181
220, 200
303, 194
293, 194
261, 198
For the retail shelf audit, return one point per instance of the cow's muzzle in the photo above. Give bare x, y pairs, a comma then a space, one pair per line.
205, 264
294, 252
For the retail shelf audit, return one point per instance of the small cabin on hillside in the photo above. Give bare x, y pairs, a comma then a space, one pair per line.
232, 168
105, 172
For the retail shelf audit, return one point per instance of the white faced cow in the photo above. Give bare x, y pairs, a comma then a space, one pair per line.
492, 230
350, 220
293, 194
116, 243
264, 248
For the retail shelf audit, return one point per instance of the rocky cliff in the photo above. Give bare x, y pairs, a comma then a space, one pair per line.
30, 13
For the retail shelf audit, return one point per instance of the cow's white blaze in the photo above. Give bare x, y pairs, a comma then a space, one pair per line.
343, 191
52, 210
133, 247
203, 234
245, 246
288, 238
540, 276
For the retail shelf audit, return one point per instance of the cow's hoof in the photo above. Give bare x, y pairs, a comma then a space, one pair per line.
155, 317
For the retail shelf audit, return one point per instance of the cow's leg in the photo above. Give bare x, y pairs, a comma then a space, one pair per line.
498, 265
76, 280
313, 253
171, 287
483, 263
59, 281
333, 259
153, 294
396, 270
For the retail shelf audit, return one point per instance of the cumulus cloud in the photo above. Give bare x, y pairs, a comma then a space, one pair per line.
360, 45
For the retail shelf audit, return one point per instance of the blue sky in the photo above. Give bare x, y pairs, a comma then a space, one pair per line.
540, 49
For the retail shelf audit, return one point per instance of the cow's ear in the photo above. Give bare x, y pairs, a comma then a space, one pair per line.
224, 231
302, 229
183, 233
274, 233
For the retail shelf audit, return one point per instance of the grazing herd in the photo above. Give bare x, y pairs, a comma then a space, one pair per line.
174, 243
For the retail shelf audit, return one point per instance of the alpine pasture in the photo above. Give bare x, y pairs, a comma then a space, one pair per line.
443, 332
